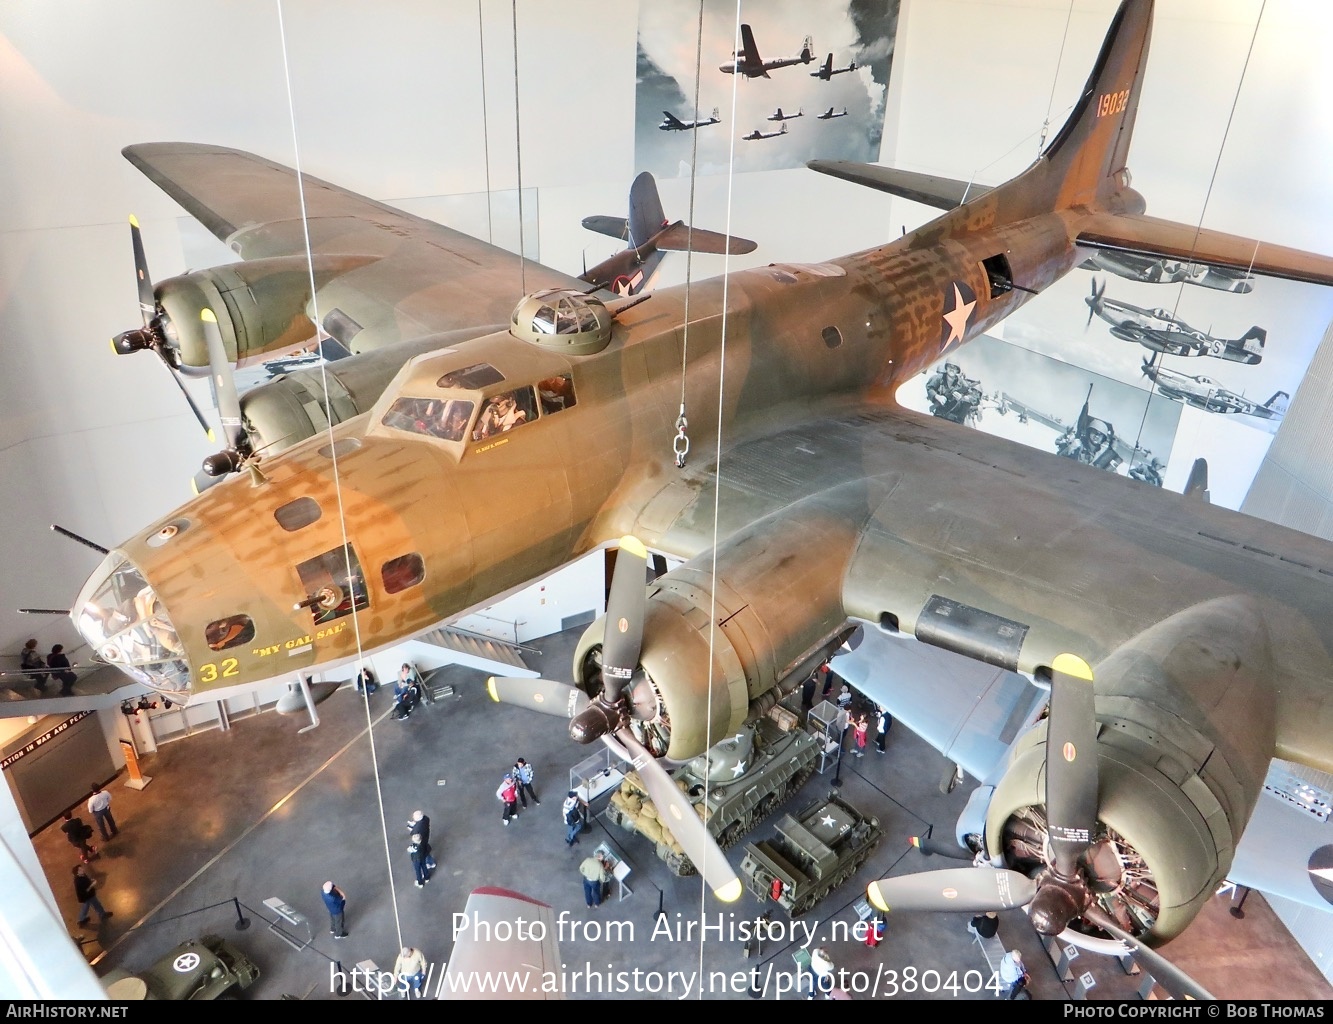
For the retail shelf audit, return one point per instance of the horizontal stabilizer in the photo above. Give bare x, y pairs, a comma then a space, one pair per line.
679, 238
616, 227
928, 189
1137, 233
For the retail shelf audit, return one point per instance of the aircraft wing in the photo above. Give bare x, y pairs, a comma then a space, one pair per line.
672, 119
927, 189
1143, 235
749, 51
497, 954
877, 513
680, 238
969, 711
442, 279
1280, 850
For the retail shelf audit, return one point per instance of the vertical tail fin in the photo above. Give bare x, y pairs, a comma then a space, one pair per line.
645, 210
1086, 159
808, 50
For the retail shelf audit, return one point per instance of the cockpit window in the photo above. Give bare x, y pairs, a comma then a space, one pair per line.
298, 514
556, 393
125, 623
446, 419
505, 412
471, 378
333, 584
229, 632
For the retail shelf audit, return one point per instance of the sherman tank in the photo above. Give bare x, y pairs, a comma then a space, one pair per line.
746, 777
812, 854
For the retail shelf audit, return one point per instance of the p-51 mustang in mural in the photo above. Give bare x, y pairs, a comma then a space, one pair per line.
535, 429
1210, 396
746, 61
1158, 330
1148, 270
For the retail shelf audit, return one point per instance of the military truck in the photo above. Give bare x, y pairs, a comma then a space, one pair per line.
206, 968
747, 778
812, 854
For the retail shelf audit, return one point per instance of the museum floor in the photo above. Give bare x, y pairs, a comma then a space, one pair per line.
264, 811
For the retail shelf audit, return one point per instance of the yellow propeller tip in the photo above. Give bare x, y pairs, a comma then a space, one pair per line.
1072, 665
876, 898
634, 546
212, 439
490, 688
194, 486
206, 315
134, 221
730, 892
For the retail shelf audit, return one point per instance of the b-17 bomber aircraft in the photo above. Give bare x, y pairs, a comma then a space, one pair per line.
778, 115
671, 123
810, 503
1158, 330
757, 134
830, 114
1207, 394
746, 61
827, 70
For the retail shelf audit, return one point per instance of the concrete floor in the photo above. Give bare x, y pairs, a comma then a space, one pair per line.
263, 810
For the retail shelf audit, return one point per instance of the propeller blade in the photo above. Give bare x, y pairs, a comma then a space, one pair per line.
1071, 763
961, 889
929, 845
1171, 977
147, 300
194, 408
548, 696
625, 610
229, 401
678, 814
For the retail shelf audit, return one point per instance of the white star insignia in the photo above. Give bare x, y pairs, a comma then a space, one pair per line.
827, 821
738, 769
957, 318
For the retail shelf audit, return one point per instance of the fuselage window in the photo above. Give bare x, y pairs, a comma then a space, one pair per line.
333, 584
400, 573
505, 412
298, 514
229, 632
446, 419
832, 337
556, 393
471, 378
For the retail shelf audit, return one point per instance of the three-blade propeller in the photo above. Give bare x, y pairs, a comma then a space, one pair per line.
608, 715
152, 335
1059, 893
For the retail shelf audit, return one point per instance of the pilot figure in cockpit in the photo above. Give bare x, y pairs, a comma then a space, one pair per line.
1094, 445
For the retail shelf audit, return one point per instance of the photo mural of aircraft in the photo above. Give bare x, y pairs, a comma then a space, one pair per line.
538, 434
1136, 267
671, 123
1158, 330
1207, 394
830, 114
778, 115
759, 134
746, 61
827, 70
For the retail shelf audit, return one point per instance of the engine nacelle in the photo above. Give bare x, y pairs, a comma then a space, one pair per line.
261, 307
1185, 736
769, 624
291, 408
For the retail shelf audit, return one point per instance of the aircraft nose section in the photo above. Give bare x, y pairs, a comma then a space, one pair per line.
125, 623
